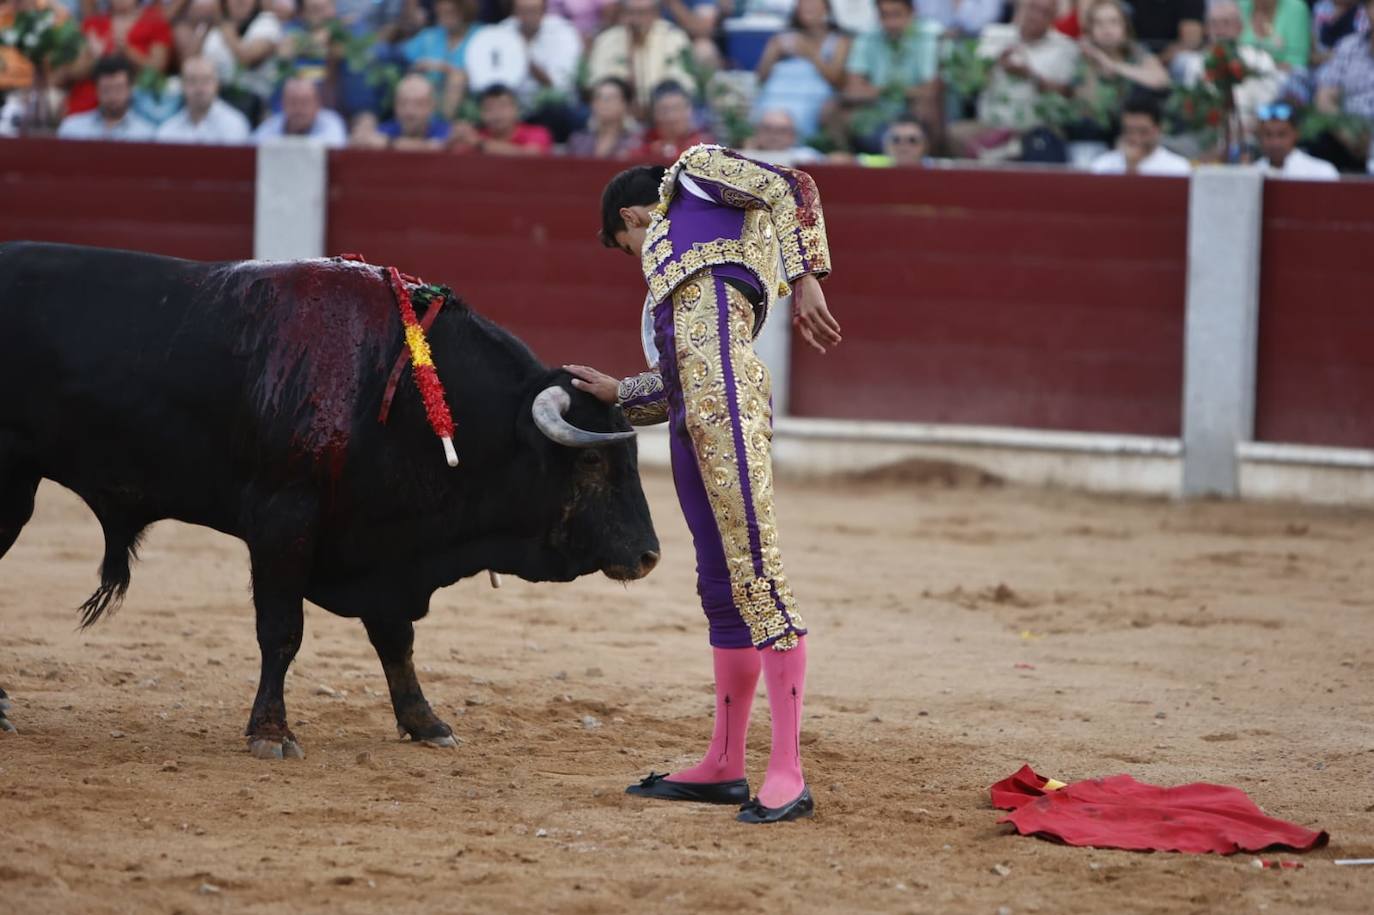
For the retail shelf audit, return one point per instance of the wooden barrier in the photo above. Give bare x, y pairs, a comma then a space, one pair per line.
194, 202
1042, 300
516, 239
1010, 298
1032, 299
1315, 381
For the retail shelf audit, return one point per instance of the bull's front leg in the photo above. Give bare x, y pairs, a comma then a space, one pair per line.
278, 586
394, 640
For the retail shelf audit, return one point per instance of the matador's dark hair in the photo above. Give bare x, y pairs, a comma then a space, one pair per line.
636, 186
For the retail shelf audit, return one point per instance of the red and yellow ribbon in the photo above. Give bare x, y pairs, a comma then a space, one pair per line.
422, 367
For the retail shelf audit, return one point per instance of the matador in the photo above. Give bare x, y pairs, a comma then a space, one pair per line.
709, 233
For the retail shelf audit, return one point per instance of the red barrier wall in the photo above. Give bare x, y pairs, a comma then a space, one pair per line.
1045, 300
1316, 332
1024, 299
194, 202
516, 239
1033, 299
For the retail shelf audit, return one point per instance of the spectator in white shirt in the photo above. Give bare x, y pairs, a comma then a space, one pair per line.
552, 45
206, 118
495, 57
302, 115
112, 118
239, 38
644, 49
553, 48
1139, 152
1028, 59
1278, 140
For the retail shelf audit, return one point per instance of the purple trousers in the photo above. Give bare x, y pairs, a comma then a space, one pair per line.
720, 428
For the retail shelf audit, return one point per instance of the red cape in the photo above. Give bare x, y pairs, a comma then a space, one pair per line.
1120, 812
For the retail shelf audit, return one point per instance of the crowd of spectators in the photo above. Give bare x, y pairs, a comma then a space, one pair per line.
1107, 84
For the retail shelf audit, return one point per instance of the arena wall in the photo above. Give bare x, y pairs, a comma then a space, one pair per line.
1316, 319
195, 203
1034, 300
516, 239
1035, 324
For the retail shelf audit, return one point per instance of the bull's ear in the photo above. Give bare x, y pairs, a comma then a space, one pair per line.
527, 434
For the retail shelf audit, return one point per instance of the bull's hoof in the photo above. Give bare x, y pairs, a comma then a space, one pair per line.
447, 743
273, 748
437, 735
5, 725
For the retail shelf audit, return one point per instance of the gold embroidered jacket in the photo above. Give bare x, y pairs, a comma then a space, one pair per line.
719, 208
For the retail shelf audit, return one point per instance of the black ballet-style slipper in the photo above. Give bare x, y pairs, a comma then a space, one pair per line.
802, 806
658, 786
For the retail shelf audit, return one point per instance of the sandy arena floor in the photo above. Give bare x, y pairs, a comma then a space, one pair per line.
1219, 642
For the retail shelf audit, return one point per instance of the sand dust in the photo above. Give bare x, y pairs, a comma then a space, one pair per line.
1220, 642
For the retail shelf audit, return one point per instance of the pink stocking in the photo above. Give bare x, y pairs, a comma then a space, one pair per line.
737, 676
785, 674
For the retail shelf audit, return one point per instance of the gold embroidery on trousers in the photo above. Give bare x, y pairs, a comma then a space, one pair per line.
764, 601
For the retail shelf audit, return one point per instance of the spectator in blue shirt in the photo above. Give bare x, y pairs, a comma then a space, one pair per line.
440, 52
389, 20
312, 43
802, 67
891, 73
416, 125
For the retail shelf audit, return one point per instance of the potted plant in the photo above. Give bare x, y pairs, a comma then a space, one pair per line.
1208, 108
46, 43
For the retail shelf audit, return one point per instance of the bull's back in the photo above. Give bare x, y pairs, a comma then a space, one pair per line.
180, 382
114, 328
101, 315
114, 375
118, 370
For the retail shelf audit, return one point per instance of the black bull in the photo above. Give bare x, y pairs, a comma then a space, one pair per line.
245, 397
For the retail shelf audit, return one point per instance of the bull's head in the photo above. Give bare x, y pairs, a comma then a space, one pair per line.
589, 472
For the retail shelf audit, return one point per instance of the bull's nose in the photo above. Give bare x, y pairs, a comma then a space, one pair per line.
647, 562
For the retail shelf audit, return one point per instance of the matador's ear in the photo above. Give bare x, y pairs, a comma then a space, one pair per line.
633, 219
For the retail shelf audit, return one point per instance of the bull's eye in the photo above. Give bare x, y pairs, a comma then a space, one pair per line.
590, 457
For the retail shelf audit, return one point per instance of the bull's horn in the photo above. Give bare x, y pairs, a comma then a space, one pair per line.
548, 408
